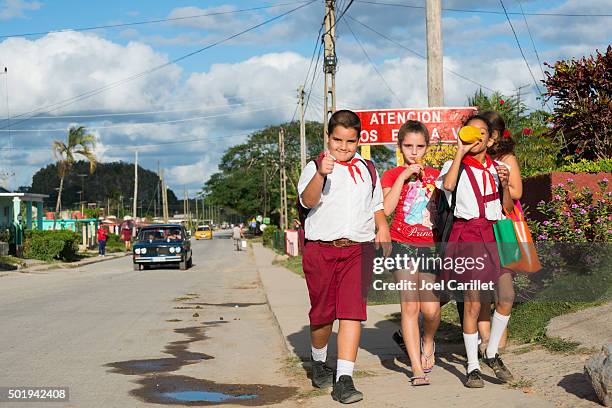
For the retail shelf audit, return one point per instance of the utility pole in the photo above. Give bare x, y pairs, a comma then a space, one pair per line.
135, 212
302, 128
435, 79
196, 208
283, 180
157, 193
164, 197
329, 65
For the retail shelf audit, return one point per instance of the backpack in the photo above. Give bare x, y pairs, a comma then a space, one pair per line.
445, 216
303, 211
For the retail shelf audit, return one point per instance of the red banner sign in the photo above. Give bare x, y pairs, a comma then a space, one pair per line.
381, 126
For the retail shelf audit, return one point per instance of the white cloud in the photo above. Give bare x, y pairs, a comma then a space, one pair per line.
16, 8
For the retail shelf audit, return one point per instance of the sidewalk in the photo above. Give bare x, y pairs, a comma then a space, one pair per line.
382, 372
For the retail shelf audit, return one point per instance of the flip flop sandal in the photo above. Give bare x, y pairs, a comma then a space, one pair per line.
427, 357
419, 381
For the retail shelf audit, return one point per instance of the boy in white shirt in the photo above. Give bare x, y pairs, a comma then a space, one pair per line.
345, 210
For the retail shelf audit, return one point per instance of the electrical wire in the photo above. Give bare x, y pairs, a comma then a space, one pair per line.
373, 65
485, 11
523, 55
158, 112
535, 50
161, 20
85, 95
419, 54
164, 122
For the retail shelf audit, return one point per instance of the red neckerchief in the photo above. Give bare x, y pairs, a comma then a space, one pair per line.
472, 162
352, 168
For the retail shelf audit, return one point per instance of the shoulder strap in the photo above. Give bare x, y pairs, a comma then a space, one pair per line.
453, 203
372, 171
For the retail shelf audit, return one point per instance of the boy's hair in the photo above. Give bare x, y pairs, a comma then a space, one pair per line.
412, 126
486, 121
503, 145
344, 118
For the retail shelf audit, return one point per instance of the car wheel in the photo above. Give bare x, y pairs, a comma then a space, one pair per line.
136, 267
190, 262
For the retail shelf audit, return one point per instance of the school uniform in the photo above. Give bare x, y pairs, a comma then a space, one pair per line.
478, 207
338, 231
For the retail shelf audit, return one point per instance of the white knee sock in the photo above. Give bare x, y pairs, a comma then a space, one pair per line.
471, 349
344, 367
498, 325
319, 354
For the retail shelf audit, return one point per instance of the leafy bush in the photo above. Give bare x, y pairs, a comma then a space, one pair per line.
588, 166
49, 245
268, 235
581, 90
114, 244
537, 153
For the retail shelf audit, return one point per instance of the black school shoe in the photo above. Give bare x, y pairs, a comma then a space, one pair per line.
474, 379
322, 374
498, 367
345, 392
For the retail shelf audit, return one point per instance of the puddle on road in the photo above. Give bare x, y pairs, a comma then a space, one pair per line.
204, 396
183, 390
158, 387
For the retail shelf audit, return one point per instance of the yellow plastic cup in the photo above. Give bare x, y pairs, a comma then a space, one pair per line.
469, 134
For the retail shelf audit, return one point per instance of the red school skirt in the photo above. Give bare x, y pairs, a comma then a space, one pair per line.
471, 253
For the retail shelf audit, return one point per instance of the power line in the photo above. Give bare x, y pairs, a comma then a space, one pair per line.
485, 11
164, 122
535, 50
85, 95
157, 112
523, 54
372, 64
161, 20
418, 54
314, 51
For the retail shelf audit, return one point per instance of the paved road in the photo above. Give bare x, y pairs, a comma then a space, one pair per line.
121, 338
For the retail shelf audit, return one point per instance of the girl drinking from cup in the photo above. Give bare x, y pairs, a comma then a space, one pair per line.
482, 192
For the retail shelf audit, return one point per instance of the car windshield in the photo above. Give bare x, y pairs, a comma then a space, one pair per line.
206, 228
161, 234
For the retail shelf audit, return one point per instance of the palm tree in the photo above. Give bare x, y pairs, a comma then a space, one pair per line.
79, 143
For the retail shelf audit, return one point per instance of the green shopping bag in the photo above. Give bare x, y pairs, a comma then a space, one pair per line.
507, 243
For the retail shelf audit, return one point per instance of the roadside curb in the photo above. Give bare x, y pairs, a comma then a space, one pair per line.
65, 265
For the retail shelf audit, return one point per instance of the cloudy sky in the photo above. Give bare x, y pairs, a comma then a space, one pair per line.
180, 92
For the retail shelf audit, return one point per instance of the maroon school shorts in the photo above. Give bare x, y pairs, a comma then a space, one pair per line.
338, 280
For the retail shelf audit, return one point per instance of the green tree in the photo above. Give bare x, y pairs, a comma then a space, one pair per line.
79, 143
248, 180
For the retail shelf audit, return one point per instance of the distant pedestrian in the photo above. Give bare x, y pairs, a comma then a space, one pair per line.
126, 236
237, 236
102, 237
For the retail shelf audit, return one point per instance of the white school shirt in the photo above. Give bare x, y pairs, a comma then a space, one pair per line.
467, 206
346, 209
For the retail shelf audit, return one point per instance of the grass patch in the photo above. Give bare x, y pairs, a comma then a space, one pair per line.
559, 345
312, 393
363, 374
521, 383
529, 320
293, 263
526, 349
10, 260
